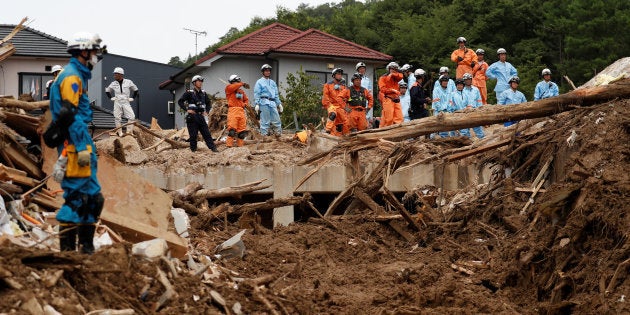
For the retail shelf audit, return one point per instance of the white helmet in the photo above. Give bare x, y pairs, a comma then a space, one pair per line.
119, 70
405, 67
480, 52
392, 65
56, 68
234, 78
84, 41
461, 40
501, 51
546, 71
443, 69
419, 72
197, 78
265, 67
359, 65
467, 76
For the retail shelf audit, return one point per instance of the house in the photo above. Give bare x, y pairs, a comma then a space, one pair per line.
28, 69
286, 49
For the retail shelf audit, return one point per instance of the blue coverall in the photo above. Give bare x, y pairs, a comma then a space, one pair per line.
545, 89
266, 96
509, 97
473, 96
502, 72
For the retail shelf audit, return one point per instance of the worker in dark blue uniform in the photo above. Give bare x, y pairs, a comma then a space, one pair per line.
196, 102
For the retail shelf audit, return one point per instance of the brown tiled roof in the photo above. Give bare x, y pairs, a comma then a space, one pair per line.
260, 41
316, 42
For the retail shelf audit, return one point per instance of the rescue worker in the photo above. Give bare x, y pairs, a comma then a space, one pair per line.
458, 101
502, 71
405, 100
236, 117
418, 98
268, 104
451, 84
545, 88
441, 98
122, 92
360, 101
334, 100
473, 100
71, 112
390, 96
366, 83
479, 75
464, 58
512, 96
54, 71
197, 103
407, 77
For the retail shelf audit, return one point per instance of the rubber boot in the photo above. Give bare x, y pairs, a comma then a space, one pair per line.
239, 142
67, 237
86, 238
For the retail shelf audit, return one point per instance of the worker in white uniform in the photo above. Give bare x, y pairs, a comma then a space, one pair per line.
122, 92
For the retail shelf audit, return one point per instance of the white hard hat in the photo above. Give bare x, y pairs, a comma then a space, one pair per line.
197, 78
467, 76
480, 52
501, 51
359, 65
419, 72
393, 65
234, 78
443, 69
405, 67
546, 71
84, 41
119, 70
461, 40
402, 84
56, 68
265, 67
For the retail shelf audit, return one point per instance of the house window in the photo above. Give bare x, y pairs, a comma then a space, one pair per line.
322, 78
34, 84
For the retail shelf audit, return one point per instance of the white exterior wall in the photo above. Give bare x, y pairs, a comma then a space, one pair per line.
249, 71
9, 69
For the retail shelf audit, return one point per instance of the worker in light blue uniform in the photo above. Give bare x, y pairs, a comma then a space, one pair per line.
545, 88
71, 112
512, 96
405, 100
473, 98
458, 101
267, 102
441, 98
451, 83
408, 76
502, 71
366, 83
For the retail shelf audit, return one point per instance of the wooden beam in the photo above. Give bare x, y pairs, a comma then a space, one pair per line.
13, 103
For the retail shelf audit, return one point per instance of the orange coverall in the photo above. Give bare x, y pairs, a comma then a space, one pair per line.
236, 119
479, 80
463, 66
356, 117
335, 101
392, 111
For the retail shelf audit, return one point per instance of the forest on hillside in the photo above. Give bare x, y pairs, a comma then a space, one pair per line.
576, 38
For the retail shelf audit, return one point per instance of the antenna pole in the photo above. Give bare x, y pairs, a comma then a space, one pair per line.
196, 33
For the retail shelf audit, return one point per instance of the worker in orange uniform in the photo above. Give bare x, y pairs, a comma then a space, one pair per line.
479, 75
334, 101
465, 58
236, 118
390, 96
360, 101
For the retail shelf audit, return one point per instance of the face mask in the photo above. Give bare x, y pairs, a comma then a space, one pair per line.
92, 61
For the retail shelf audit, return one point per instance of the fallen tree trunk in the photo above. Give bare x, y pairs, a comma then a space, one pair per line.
235, 191
11, 103
487, 115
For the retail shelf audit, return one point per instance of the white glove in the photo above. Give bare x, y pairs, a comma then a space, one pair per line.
113, 99
131, 99
257, 108
280, 108
59, 170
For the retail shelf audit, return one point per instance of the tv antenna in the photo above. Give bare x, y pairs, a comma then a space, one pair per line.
197, 33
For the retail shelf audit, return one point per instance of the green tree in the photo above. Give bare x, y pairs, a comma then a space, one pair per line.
303, 98
175, 61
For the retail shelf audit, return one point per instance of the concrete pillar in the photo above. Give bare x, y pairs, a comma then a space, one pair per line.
282, 188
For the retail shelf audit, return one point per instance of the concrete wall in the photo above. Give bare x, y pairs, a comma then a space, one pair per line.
329, 179
11, 67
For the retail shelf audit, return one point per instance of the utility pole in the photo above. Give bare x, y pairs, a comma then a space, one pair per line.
197, 33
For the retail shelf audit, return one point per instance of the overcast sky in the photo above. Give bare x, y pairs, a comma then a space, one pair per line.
149, 30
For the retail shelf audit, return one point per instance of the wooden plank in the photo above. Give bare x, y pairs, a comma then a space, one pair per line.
401, 230
405, 214
21, 159
461, 155
368, 201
